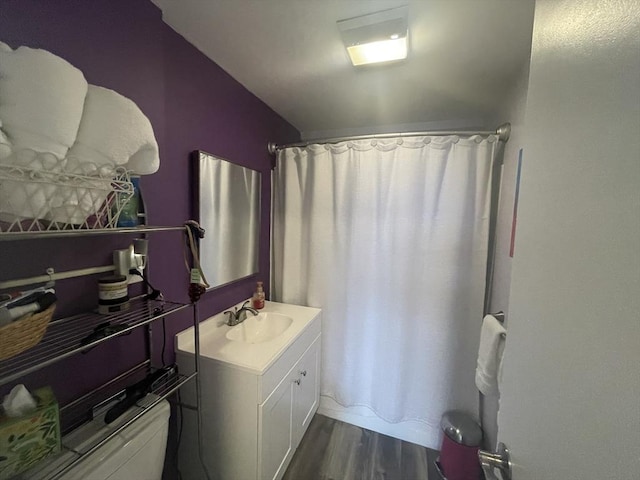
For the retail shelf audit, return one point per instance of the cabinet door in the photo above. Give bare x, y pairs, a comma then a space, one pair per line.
306, 390
275, 447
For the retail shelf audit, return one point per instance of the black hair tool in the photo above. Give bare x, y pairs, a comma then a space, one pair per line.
135, 392
102, 331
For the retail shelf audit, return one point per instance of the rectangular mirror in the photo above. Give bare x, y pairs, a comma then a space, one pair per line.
228, 208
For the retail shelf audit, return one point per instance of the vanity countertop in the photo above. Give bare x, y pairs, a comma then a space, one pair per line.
255, 358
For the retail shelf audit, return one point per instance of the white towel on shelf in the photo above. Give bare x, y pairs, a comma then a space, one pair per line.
114, 131
20, 198
492, 337
41, 100
74, 205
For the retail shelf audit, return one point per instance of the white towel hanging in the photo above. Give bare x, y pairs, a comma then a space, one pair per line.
492, 338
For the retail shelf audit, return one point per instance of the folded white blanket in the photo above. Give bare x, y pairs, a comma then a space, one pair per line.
51, 122
75, 205
21, 199
114, 131
492, 336
41, 99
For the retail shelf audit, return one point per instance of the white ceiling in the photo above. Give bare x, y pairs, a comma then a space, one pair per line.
464, 57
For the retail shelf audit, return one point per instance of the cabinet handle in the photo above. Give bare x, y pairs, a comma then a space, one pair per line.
297, 381
303, 373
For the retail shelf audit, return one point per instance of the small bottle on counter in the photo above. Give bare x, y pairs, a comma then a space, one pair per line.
257, 301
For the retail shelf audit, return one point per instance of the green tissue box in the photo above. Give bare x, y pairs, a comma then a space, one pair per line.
26, 440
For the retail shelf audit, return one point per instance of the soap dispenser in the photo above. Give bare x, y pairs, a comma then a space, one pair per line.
257, 301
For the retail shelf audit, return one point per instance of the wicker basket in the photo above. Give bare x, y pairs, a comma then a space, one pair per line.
24, 333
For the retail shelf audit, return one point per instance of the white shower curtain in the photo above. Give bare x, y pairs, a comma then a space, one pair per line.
389, 238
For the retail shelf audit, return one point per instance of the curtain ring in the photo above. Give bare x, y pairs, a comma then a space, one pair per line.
400, 141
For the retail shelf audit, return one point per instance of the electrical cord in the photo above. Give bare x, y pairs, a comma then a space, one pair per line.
155, 293
164, 341
197, 287
181, 420
200, 434
179, 410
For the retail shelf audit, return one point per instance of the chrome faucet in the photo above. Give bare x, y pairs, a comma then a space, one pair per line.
239, 315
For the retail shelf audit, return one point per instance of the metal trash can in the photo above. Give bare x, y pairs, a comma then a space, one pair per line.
458, 458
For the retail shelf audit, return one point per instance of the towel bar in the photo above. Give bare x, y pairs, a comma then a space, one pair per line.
500, 317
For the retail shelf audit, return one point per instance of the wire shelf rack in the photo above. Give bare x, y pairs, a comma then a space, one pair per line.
33, 235
65, 337
91, 436
40, 192
71, 335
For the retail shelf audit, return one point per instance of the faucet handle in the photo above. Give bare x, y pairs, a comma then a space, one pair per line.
245, 304
232, 316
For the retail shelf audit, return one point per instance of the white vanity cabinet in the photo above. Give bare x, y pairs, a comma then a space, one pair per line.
285, 414
254, 410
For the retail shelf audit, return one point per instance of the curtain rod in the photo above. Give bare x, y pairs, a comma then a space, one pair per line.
503, 132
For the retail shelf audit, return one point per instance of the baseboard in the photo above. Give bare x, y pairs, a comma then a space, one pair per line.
409, 431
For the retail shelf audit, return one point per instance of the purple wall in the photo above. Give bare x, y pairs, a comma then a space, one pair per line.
192, 104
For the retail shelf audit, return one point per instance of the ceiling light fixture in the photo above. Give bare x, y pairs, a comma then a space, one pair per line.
376, 37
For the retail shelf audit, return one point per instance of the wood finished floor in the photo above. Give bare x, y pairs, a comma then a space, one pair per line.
333, 450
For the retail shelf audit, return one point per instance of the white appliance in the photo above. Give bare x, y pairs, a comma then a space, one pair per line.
137, 452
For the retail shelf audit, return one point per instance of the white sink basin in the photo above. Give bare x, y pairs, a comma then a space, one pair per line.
260, 328
255, 344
